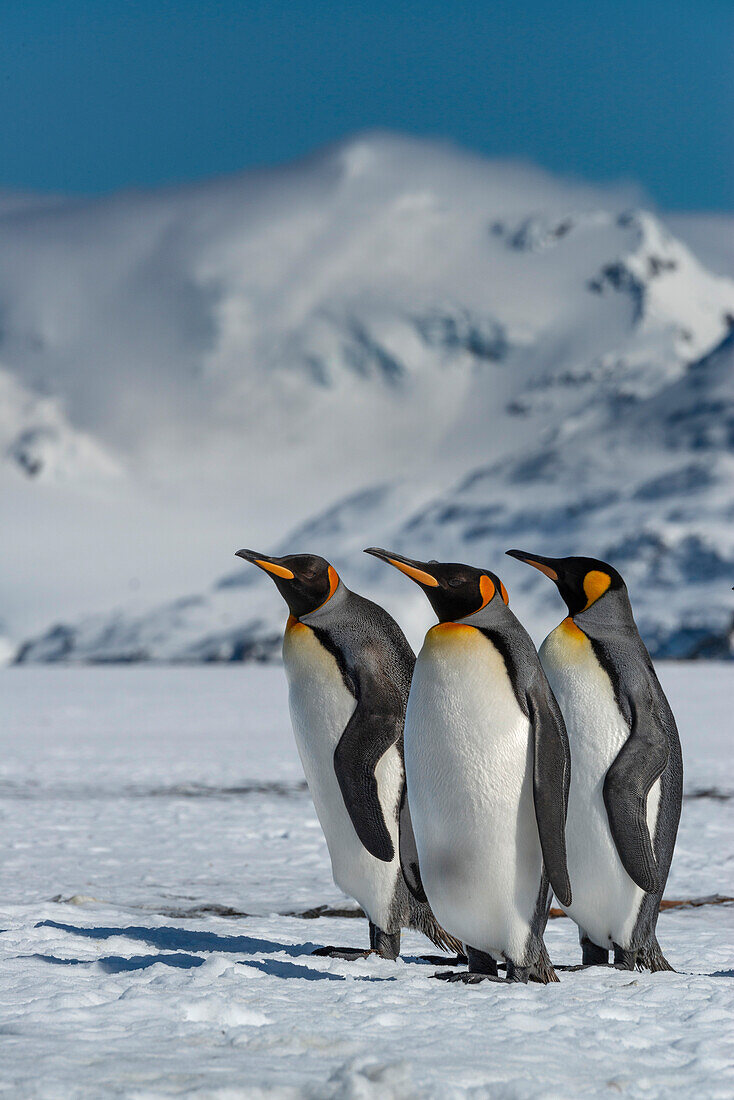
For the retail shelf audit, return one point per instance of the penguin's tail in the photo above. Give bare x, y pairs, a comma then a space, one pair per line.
650, 957
543, 970
422, 919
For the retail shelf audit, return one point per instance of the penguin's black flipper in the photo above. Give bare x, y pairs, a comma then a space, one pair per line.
409, 851
641, 761
375, 725
551, 778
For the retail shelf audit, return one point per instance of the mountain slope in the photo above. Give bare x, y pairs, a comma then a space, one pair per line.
391, 342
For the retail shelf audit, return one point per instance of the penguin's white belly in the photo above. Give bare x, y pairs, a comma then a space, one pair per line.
606, 901
468, 761
320, 707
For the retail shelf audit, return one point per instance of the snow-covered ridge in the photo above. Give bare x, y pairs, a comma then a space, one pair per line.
391, 342
37, 440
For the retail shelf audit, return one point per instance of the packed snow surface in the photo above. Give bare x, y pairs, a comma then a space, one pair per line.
139, 805
392, 342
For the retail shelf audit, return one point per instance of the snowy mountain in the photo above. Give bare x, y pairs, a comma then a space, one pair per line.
393, 342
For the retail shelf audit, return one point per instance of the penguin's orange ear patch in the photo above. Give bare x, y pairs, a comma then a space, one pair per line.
486, 589
503, 593
596, 584
333, 585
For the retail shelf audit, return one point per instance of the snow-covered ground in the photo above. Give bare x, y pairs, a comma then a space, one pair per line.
136, 800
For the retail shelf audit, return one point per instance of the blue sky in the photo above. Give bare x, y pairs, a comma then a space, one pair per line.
100, 94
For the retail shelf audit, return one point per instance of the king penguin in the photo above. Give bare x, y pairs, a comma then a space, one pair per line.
626, 765
487, 766
349, 667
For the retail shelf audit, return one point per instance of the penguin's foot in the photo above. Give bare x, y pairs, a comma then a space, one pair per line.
567, 969
482, 967
592, 954
385, 944
468, 977
623, 959
650, 957
520, 974
542, 970
349, 954
480, 962
441, 960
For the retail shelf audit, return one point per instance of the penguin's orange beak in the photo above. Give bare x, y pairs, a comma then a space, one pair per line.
418, 571
545, 565
270, 565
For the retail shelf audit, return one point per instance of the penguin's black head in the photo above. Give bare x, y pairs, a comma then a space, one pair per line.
581, 581
305, 581
453, 590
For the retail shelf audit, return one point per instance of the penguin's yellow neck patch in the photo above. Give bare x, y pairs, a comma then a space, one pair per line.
450, 632
596, 584
450, 628
572, 632
294, 624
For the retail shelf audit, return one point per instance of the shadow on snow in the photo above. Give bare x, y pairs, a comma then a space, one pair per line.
278, 969
166, 938
117, 964
182, 940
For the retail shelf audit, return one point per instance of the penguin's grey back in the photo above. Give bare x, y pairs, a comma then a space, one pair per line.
358, 627
610, 694
624, 656
375, 663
